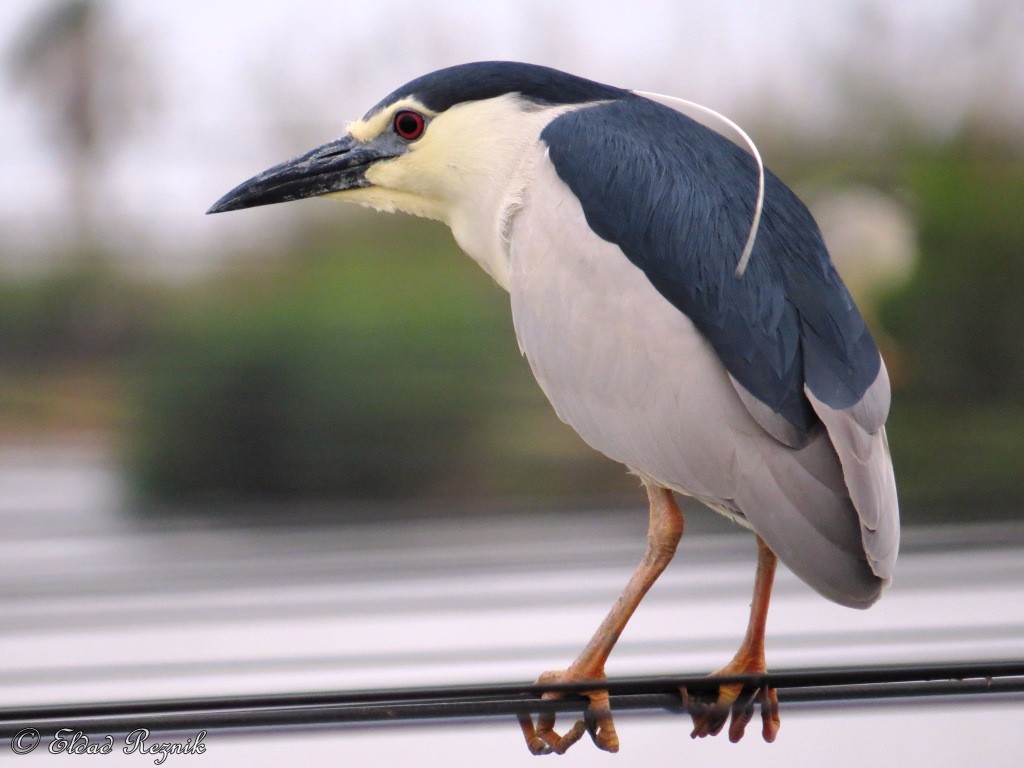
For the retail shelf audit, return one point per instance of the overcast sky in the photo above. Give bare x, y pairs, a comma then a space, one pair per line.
236, 86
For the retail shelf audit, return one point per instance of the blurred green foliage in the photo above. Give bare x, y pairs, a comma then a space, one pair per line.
85, 313
962, 317
958, 463
376, 362
957, 425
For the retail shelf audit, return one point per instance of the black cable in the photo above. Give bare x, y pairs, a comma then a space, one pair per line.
809, 687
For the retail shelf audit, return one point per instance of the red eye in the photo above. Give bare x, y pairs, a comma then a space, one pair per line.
409, 125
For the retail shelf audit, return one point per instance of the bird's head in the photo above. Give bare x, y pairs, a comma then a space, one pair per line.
449, 145
439, 144
452, 145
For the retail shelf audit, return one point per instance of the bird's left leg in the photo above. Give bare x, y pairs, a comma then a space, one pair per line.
663, 534
710, 717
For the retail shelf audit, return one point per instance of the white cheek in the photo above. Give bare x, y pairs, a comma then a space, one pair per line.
387, 174
421, 171
389, 201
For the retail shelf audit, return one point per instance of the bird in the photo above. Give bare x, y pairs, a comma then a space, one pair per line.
678, 307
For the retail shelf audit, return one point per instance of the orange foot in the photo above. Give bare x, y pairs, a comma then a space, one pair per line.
597, 721
710, 714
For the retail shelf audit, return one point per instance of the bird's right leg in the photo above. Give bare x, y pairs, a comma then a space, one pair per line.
663, 534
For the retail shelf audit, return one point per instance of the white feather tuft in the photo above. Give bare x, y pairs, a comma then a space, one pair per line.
683, 105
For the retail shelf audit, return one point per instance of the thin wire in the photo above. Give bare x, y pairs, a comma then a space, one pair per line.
995, 680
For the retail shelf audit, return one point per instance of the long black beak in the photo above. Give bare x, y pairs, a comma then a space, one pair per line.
334, 167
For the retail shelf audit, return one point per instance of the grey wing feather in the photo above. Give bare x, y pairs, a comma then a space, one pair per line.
859, 438
638, 381
774, 423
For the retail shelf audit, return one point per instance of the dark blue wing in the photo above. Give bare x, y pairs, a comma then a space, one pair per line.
678, 199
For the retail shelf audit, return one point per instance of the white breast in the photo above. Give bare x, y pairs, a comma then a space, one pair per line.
619, 363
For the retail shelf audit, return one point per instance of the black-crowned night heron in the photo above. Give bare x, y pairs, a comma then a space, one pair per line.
678, 308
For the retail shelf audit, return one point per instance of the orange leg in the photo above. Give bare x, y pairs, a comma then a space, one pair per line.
710, 717
663, 534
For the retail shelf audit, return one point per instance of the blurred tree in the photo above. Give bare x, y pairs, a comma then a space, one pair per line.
87, 79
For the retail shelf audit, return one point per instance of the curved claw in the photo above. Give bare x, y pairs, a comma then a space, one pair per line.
599, 722
560, 744
542, 739
534, 743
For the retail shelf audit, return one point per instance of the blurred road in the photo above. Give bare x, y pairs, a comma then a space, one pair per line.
96, 606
